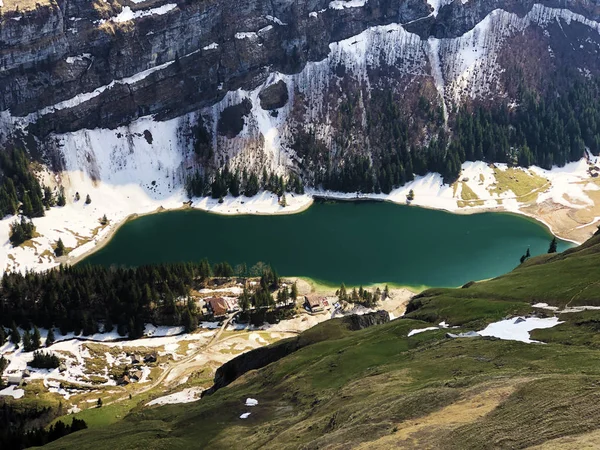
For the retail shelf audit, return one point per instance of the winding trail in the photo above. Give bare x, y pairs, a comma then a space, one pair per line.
181, 364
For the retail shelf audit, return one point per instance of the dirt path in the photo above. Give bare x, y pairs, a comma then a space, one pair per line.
183, 363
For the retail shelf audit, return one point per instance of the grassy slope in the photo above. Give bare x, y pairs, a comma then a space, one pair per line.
376, 388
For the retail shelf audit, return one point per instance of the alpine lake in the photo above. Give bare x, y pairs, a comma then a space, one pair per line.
361, 242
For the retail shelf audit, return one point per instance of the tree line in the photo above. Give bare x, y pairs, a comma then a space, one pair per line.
20, 438
77, 299
222, 182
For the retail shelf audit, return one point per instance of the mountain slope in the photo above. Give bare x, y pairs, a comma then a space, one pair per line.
378, 388
289, 87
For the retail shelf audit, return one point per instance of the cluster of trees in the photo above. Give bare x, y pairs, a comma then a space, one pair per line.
31, 340
18, 186
224, 182
362, 296
284, 294
259, 316
77, 299
21, 231
19, 438
44, 360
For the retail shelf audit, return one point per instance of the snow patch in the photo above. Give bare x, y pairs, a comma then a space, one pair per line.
343, 4
420, 330
517, 329
73, 59
127, 14
12, 391
251, 402
246, 35
187, 395
275, 20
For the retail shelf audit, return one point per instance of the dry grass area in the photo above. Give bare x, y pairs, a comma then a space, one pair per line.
23, 5
428, 432
586, 441
525, 184
468, 197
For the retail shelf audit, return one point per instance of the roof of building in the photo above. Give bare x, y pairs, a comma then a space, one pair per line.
218, 305
313, 301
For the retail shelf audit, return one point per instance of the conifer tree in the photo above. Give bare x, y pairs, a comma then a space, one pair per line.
15, 337
553, 245
88, 199
36, 338
49, 200
294, 291
27, 207
60, 248
50, 337
2, 335
252, 186
27, 345
77, 196
61, 200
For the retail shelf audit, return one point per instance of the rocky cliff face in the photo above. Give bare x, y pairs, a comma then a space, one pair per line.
262, 78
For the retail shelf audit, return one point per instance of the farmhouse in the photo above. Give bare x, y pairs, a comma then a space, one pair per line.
314, 303
217, 306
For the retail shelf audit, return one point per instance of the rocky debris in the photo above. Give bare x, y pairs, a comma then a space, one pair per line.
274, 96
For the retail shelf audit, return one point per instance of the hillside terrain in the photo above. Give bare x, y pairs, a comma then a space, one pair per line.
144, 105
388, 386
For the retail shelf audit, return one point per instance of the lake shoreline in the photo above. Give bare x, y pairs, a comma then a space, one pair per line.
316, 197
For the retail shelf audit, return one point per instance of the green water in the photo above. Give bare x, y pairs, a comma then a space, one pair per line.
351, 242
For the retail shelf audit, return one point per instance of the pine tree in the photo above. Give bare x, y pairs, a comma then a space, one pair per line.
60, 248
36, 338
553, 245
77, 196
411, 196
88, 199
190, 323
37, 206
27, 207
294, 291
27, 345
15, 337
527, 253
252, 186
61, 200
2, 335
244, 301
99, 403
50, 338
104, 220
49, 200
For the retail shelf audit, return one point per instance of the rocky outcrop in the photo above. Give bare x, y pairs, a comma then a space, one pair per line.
274, 96
252, 360
359, 322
